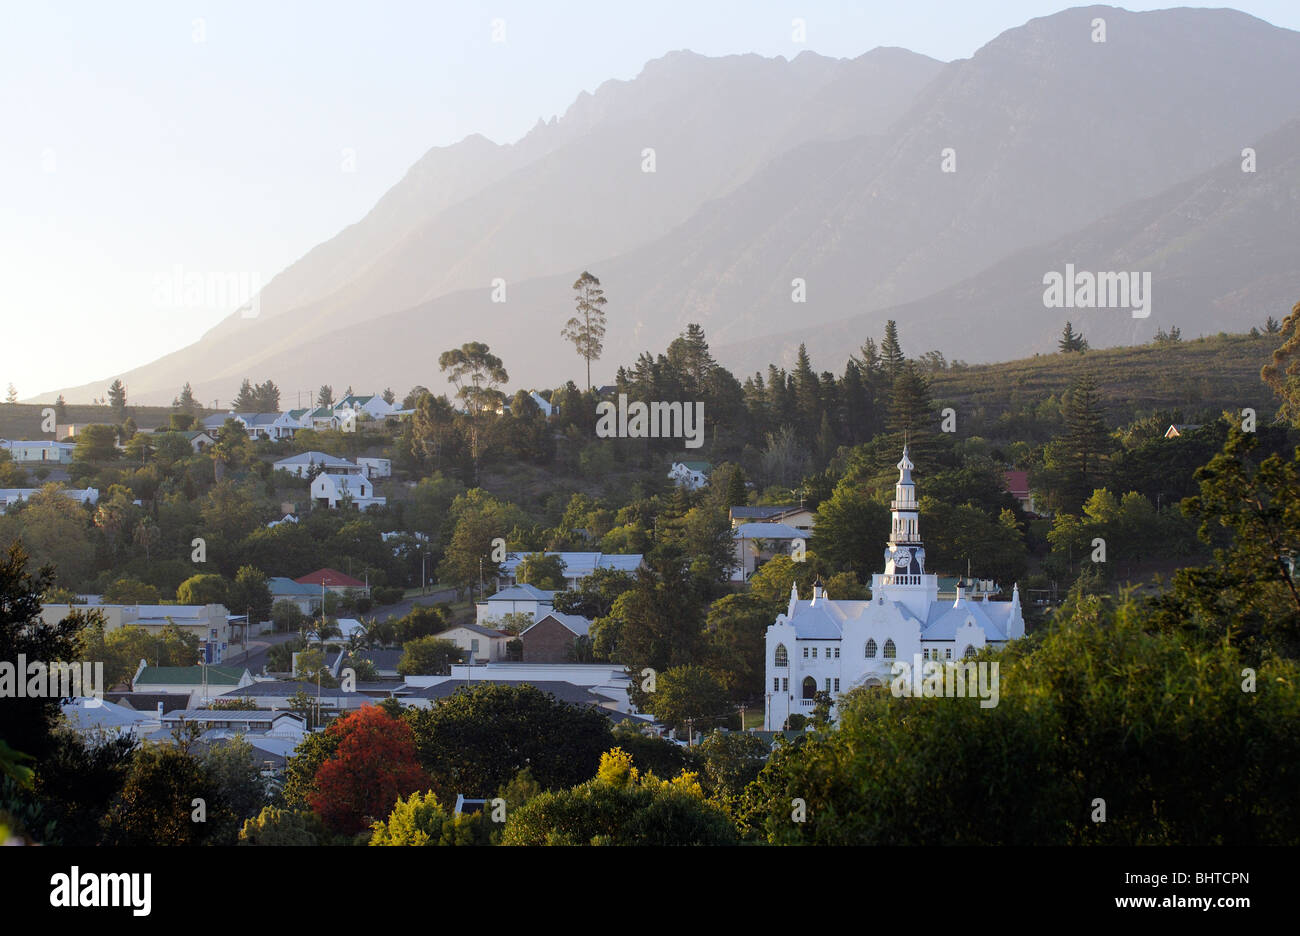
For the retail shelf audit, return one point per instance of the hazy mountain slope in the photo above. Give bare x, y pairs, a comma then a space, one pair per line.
1221, 248
770, 170
572, 190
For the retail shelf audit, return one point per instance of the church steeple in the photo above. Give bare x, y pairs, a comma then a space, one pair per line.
905, 556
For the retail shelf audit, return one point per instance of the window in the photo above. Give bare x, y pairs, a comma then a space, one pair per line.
871, 650
785, 684
947, 654
814, 653
828, 684
805, 653
837, 653
890, 650
782, 657
837, 685
969, 652
776, 683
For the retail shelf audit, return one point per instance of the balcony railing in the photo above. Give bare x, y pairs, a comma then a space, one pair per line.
900, 579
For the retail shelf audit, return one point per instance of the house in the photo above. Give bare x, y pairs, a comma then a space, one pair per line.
552, 638
609, 682
40, 452
335, 581
278, 694
517, 599
323, 419
481, 644
327, 490
375, 467
10, 496
304, 464
832, 646
209, 623
306, 598
199, 439
1017, 485
1180, 429
287, 518
577, 565
801, 518
200, 684
360, 408
95, 719
755, 543
691, 475
543, 404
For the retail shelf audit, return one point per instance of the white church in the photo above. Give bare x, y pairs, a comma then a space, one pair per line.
821, 644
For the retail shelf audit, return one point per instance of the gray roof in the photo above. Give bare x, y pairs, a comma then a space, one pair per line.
760, 513
521, 593
564, 691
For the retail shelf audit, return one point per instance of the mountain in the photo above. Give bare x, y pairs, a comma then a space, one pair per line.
769, 170
1221, 250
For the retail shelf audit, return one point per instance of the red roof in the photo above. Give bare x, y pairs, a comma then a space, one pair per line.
1017, 482
330, 578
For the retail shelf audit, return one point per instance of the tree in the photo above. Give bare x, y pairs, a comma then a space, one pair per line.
1080, 452
274, 826
60, 409
26, 723
117, 399
421, 820
325, 396
250, 593
388, 396
185, 402
1071, 342
244, 400
156, 805
132, 592
201, 589
233, 768
11, 397
587, 329
891, 351
621, 806
428, 656
96, 443
729, 762
477, 374
1282, 374
541, 571
595, 595
688, 694
300, 770
482, 736
373, 767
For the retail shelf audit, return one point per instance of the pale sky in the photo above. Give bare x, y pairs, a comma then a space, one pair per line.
141, 138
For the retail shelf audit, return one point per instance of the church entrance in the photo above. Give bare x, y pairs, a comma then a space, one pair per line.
809, 687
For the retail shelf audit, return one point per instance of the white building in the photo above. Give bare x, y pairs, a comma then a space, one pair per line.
10, 496
375, 467
755, 543
328, 489
517, 599
691, 475
43, 452
577, 565
823, 644
304, 463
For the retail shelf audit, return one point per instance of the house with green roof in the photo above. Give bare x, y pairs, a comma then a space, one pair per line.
199, 684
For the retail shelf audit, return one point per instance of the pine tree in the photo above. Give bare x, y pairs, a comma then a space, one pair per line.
117, 399
891, 352
245, 401
186, 402
60, 410
737, 495
388, 396
1282, 374
325, 396
1272, 326
12, 396
1086, 437
807, 396
1071, 341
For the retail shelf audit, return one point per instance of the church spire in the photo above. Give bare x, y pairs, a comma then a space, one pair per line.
905, 556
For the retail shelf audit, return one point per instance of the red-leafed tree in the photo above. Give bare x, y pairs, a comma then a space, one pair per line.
374, 765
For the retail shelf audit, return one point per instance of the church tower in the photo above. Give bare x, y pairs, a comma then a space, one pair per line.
905, 556
905, 580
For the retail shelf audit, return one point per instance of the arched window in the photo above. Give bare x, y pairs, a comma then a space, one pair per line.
969, 652
809, 687
782, 657
890, 650
871, 649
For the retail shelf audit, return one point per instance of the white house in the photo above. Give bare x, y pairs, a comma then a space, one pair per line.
516, 599
828, 645
482, 644
691, 475
375, 467
322, 418
577, 565
306, 598
302, 464
10, 496
39, 452
328, 489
